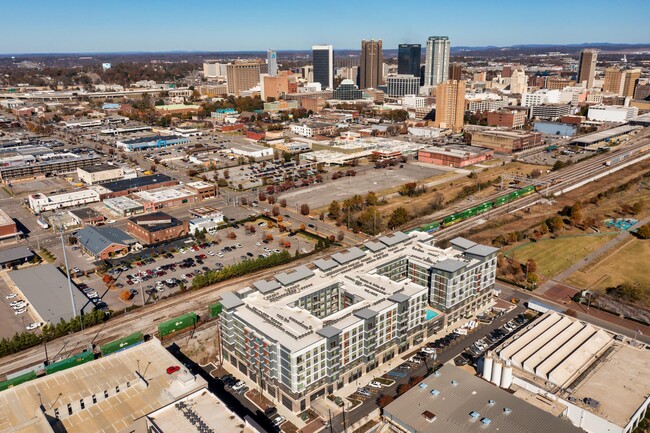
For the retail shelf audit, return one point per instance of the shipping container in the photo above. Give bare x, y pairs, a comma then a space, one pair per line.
79, 358
215, 309
122, 343
181, 322
17, 380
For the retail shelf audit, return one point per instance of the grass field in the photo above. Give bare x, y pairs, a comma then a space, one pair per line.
555, 255
625, 265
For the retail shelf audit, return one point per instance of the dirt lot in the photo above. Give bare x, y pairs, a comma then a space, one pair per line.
47, 185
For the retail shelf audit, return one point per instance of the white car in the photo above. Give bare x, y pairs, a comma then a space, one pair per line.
220, 254
428, 350
10, 296
184, 276
278, 420
32, 326
259, 244
210, 253
239, 385
92, 295
276, 251
110, 221
17, 302
19, 306
374, 384
237, 245
21, 311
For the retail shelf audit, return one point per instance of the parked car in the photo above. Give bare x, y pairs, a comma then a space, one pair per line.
270, 411
33, 326
173, 369
278, 420
364, 392
374, 384
239, 385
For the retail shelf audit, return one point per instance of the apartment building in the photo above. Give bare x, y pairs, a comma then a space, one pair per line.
45, 165
305, 333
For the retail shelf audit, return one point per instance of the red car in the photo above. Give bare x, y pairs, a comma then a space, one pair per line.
173, 369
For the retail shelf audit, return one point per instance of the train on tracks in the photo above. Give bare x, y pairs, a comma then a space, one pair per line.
476, 210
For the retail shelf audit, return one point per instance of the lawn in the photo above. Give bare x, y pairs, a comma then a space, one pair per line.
624, 265
555, 255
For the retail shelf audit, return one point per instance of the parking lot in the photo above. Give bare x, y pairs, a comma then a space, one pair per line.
151, 277
562, 153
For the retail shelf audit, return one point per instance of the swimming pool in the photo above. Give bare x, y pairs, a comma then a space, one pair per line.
431, 314
621, 223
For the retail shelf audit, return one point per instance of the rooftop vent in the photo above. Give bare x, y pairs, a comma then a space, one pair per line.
429, 416
486, 421
474, 414
454, 382
435, 392
491, 402
506, 410
423, 386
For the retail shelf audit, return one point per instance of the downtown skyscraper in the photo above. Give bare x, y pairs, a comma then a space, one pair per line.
323, 57
436, 62
408, 59
587, 67
371, 64
272, 61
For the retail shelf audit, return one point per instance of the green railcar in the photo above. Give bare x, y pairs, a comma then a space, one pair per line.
17, 380
122, 343
177, 324
484, 207
79, 358
430, 227
215, 309
451, 219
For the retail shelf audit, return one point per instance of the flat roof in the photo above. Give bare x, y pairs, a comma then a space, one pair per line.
325, 264
265, 286
449, 265
15, 253
299, 273
394, 238
202, 405
46, 289
481, 250
5, 219
99, 168
20, 409
138, 182
374, 246
122, 203
164, 194
599, 136
455, 401
462, 243
353, 253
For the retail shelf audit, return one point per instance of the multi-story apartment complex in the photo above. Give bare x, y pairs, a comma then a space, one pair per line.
400, 85
305, 333
450, 105
44, 165
408, 59
323, 70
587, 67
243, 75
436, 62
371, 64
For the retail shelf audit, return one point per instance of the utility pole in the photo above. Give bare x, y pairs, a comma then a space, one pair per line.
67, 270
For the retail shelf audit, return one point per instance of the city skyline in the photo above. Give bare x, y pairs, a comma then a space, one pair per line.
134, 27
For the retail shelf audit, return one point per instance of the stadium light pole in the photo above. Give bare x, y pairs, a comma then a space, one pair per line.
67, 270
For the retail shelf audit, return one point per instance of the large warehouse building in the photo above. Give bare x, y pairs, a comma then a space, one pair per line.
322, 326
559, 361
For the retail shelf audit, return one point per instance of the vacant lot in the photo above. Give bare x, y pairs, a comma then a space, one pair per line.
627, 264
555, 255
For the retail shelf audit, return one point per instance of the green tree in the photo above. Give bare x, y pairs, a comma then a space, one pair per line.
371, 199
370, 221
334, 209
555, 224
399, 217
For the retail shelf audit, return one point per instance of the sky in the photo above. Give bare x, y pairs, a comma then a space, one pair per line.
71, 26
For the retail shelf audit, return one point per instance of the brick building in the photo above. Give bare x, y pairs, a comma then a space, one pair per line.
7, 225
455, 156
507, 118
157, 227
506, 141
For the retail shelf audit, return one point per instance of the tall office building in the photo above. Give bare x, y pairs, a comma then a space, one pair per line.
408, 59
400, 85
272, 62
323, 56
371, 65
587, 67
613, 80
243, 75
518, 81
630, 80
436, 62
450, 105
455, 71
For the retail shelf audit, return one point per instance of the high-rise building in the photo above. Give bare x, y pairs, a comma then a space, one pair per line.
272, 62
213, 69
450, 105
400, 85
371, 64
613, 80
587, 67
307, 72
518, 81
242, 75
436, 62
455, 71
630, 80
347, 91
323, 56
408, 59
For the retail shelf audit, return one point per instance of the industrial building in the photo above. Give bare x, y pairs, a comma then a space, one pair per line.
592, 380
93, 174
123, 206
455, 156
209, 224
40, 202
252, 150
321, 326
104, 242
129, 391
609, 135
15, 256
157, 227
46, 289
451, 400
611, 113
86, 216
161, 198
124, 187
506, 141
150, 142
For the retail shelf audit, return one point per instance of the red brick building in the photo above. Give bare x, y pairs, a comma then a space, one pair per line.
455, 156
507, 118
7, 225
255, 135
157, 227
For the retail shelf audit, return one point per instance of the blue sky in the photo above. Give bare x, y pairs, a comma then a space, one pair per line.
42, 26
